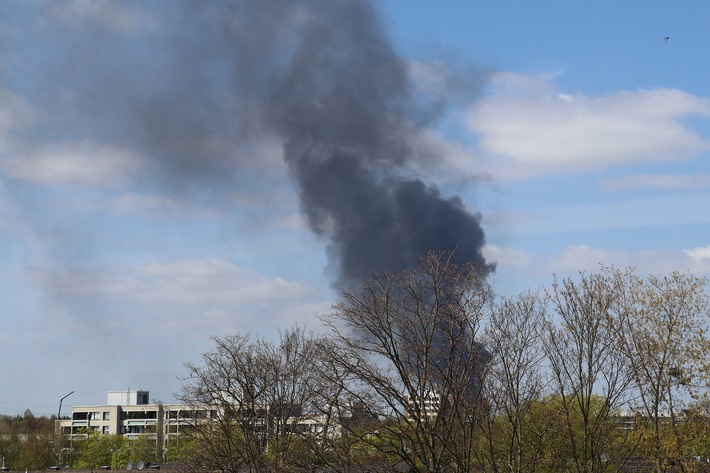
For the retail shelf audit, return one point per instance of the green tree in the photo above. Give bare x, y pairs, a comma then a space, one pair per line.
695, 431
28, 441
591, 374
513, 386
662, 328
180, 448
97, 449
124, 451
34, 453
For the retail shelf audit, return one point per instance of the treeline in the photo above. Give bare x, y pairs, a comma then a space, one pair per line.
26, 424
428, 371
41, 448
27, 441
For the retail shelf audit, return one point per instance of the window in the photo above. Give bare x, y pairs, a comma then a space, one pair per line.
106, 415
141, 415
105, 429
93, 416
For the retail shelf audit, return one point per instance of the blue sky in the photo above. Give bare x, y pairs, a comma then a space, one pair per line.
576, 130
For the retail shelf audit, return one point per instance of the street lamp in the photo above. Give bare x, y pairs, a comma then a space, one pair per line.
59, 413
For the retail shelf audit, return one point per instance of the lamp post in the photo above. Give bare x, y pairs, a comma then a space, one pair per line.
59, 412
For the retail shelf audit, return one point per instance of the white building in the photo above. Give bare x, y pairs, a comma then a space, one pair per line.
129, 413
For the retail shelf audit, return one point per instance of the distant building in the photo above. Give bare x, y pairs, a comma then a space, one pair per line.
129, 413
426, 407
631, 419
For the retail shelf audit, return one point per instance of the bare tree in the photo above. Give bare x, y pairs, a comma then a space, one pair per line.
592, 375
662, 327
255, 393
410, 353
514, 386
346, 426
409, 378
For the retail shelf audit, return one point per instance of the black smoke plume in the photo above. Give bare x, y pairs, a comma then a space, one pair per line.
321, 77
344, 110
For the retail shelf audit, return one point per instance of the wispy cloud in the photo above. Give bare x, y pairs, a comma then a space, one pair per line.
208, 282
216, 281
656, 181
519, 270
661, 210
653, 261
15, 113
80, 162
700, 254
106, 13
507, 257
180, 299
530, 128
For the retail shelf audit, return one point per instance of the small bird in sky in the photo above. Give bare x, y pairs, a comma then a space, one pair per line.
667, 38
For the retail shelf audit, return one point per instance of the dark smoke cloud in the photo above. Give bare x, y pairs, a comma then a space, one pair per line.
319, 76
345, 111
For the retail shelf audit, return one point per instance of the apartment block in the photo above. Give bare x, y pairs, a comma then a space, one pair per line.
130, 414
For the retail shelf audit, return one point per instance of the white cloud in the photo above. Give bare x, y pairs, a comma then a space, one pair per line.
700, 254
531, 129
506, 257
656, 181
585, 258
210, 282
520, 270
183, 301
217, 281
565, 97
107, 13
79, 162
651, 261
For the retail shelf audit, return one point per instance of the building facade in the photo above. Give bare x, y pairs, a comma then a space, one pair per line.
130, 414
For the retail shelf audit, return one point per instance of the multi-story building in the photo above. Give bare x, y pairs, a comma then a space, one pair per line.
426, 407
130, 414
